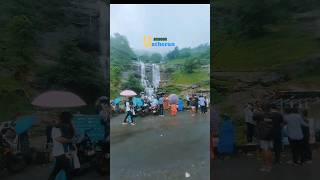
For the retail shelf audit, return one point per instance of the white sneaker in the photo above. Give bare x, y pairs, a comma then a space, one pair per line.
124, 123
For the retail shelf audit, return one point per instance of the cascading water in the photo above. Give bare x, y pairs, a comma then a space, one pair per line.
155, 75
149, 88
143, 74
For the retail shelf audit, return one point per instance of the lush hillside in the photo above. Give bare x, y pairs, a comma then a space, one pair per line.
48, 45
260, 47
249, 39
186, 67
121, 58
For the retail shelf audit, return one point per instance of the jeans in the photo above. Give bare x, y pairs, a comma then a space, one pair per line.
161, 109
62, 163
297, 150
250, 132
129, 113
277, 147
307, 152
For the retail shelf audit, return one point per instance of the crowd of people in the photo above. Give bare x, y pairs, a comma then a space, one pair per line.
161, 102
274, 130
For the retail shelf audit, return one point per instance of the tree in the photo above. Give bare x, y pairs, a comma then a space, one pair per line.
17, 47
120, 51
76, 71
185, 53
173, 54
248, 18
156, 57
133, 83
190, 65
145, 58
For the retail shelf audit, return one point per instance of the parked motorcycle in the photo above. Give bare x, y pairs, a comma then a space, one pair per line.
143, 110
85, 151
103, 158
10, 158
154, 109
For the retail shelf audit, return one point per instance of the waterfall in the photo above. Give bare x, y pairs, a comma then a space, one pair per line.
149, 87
143, 74
155, 75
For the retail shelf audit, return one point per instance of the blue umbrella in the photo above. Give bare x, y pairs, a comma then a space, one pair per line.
24, 123
137, 101
117, 100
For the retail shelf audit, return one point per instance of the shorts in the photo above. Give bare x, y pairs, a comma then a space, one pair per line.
266, 144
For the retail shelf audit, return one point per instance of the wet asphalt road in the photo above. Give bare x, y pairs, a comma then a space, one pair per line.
248, 168
161, 148
41, 172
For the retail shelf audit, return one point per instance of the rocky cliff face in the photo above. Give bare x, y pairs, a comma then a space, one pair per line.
87, 24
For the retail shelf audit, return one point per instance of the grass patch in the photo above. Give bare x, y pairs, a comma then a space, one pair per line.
284, 46
184, 78
176, 61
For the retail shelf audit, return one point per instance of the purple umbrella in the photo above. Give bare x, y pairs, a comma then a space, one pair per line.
173, 99
58, 99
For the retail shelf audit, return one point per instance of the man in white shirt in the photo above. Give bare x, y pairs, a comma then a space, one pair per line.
61, 160
202, 104
248, 116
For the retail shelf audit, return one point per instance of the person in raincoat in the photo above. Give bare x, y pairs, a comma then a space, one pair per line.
166, 102
174, 109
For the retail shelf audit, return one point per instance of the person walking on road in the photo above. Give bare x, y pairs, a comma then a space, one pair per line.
129, 111
62, 162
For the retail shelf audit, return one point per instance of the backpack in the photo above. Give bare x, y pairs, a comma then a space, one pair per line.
266, 129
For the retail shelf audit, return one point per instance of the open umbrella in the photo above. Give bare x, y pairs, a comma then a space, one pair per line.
117, 100
137, 101
128, 93
58, 99
173, 99
24, 123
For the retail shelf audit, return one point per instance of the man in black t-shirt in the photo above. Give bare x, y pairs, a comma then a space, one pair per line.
277, 123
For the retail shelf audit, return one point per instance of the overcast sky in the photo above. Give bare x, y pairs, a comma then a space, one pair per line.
186, 25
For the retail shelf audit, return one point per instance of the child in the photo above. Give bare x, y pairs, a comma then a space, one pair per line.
174, 108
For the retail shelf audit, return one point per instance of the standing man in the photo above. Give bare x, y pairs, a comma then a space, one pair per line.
202, 104
248, 116
294, 122
161, 105
188, 100
265, 135
277, 121
196, 103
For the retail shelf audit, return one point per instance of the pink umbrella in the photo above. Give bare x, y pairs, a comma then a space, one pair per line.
128, 93
173, 99
58, 99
